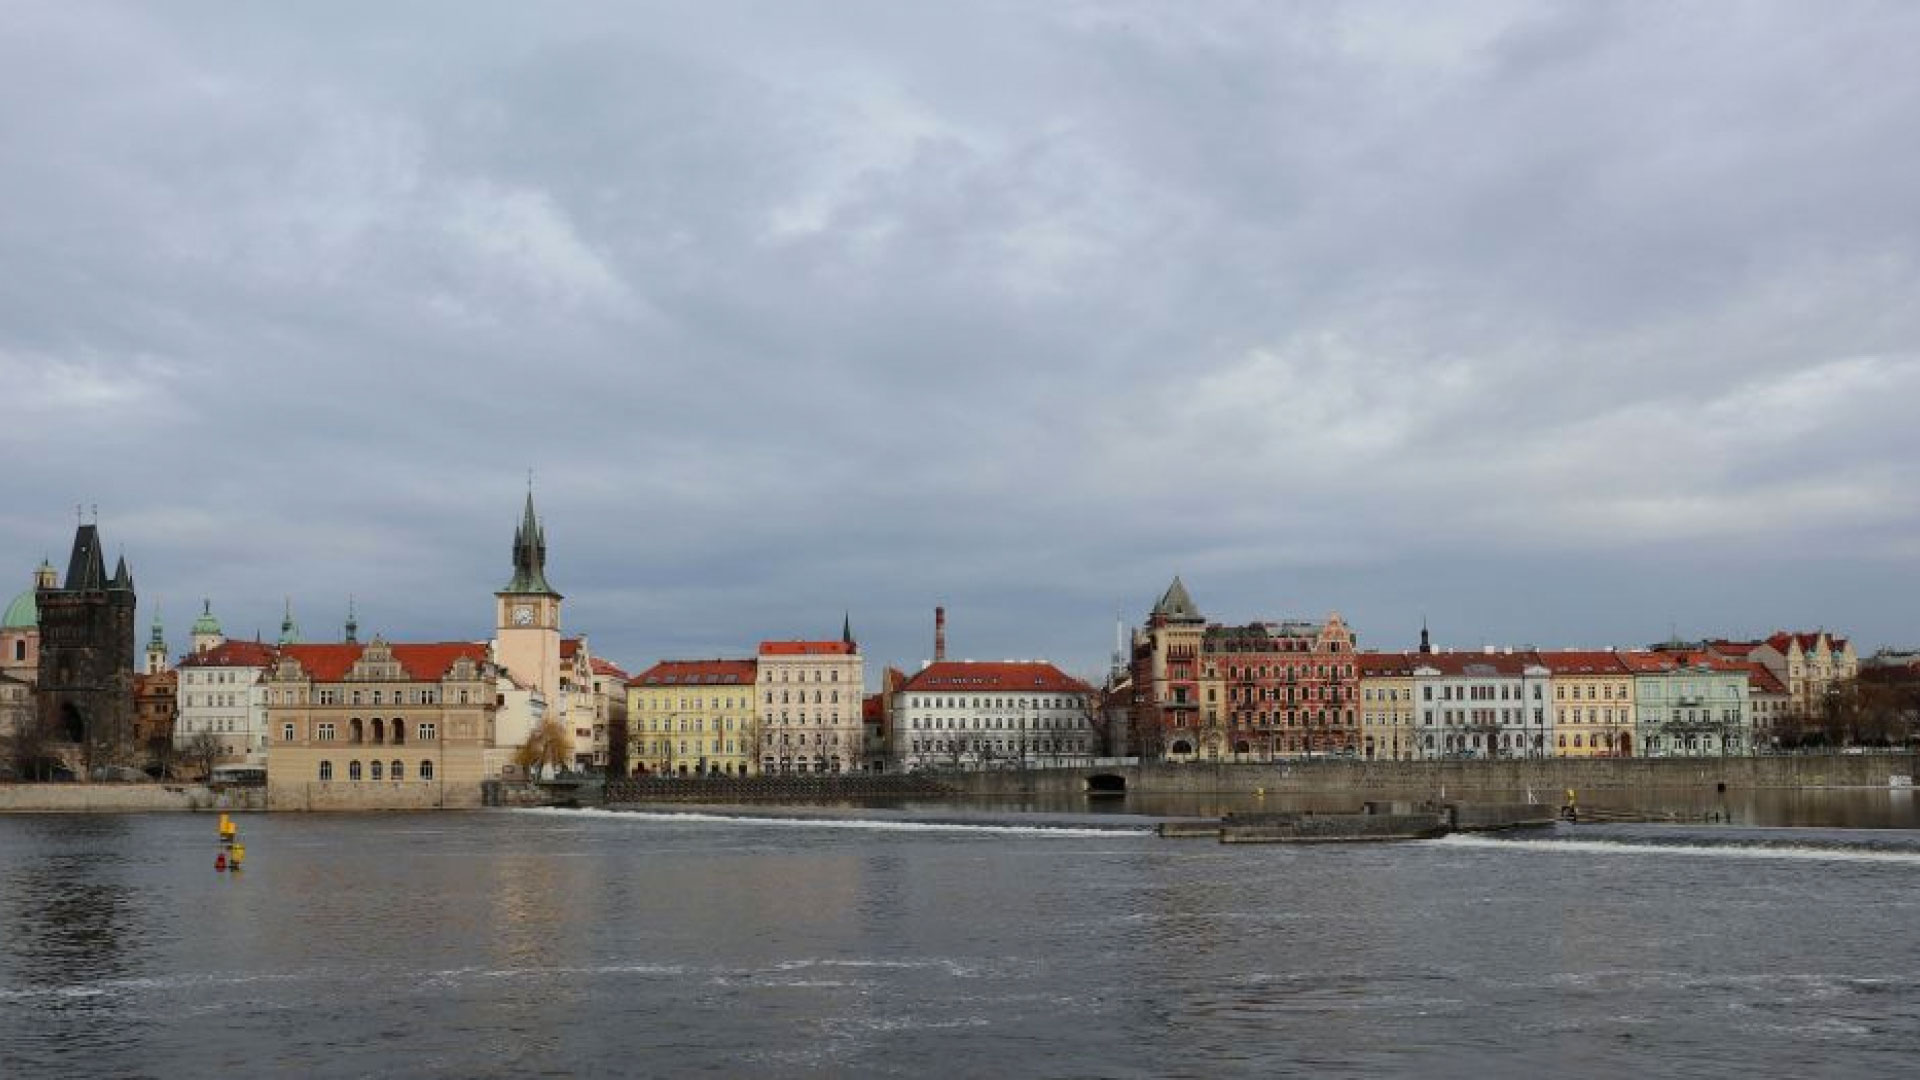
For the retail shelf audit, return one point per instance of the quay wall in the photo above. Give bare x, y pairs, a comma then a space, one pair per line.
125, 798
1547, 776
387, 795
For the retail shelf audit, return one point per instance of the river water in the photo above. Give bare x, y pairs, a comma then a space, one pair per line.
559, 943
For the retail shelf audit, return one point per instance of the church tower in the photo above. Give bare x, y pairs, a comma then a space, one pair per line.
527, 638
157, 663
207, 634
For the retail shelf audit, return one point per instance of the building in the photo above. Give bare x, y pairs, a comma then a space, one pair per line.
84, 690
1166, 719
1489, 704
223, 696
206, 629
20, 630
1770, 704
994, 715
16, 705
1689, 704
693, 718
1386, 706
1593, 705
379, 726
527, 636
809, 705
609, 717
1283, 689
156, 698
1809, 664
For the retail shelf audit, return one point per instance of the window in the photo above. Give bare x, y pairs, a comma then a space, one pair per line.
286, 732
399, 770
353, 770
324, 733
426, 767
374, 770
326, 771
426, 735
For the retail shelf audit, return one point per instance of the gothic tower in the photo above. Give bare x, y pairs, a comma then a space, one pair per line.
527, 638
87, 653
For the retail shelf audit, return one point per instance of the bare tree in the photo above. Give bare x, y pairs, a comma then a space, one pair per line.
548, 747
203, 751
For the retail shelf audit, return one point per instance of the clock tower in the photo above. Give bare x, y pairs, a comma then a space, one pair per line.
527, 638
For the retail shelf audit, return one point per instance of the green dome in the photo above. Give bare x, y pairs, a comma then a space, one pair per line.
22, 614
206, 623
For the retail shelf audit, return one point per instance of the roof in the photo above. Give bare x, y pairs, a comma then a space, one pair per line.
1584, 662
1737, 650
1176, 605
423, 662
1654, 663
1761, 677
570, 647
252, 654
808, 648
23, 613
1379, 664
1782, 639
698, 673
602, 667
529, 557
1479, 665
1001, 676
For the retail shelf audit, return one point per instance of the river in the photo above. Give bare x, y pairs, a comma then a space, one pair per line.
560, 943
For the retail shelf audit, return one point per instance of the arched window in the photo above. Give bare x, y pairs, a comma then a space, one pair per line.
399, 770
353, 770
20, 649
399, 731
326, 771
426, 770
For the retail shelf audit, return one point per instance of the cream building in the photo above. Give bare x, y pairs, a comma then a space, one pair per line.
379, 726
1386, 706
693, 717
1593, 705
985, 715
810, 694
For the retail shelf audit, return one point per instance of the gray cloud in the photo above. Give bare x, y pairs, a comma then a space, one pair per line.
1557, 323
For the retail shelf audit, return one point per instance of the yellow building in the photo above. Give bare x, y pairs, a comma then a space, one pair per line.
1386, 706
1592, 703
693, 717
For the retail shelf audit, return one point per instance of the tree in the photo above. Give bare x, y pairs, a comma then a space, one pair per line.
203, 751
548, 747
31, 750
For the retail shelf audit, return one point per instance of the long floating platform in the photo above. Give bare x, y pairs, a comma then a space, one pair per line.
1375, 821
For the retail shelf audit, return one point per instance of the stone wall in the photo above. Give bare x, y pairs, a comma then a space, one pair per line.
372, 795
1430, 778
125, 798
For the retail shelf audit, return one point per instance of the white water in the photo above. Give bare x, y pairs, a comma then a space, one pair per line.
657, 817
1722, 851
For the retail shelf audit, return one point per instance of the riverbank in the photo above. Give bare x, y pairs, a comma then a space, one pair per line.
126, 798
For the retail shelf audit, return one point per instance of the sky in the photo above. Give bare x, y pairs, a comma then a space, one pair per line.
1574, 324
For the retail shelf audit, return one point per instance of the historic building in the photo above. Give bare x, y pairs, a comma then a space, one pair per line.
1166, 678
379, 725
609, 718
527, 639
1487, 704
1284, 689
84, 689
1769, 704
206, 629
1593, 706
1689, 704
20, 630
693, 717
994, 715
1808, 664
156, 698
809, 705
1259, 692
1386, 706
222, 696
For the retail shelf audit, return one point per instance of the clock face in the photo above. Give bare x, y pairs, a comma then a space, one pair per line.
522, 615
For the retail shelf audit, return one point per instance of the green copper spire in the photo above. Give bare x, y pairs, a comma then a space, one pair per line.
289, 630
206, 623
530, 557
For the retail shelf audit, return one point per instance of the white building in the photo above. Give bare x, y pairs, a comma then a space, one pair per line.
809, 695
1489, 704
221, 693
983, 715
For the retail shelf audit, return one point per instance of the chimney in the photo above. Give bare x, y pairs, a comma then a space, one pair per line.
939, 634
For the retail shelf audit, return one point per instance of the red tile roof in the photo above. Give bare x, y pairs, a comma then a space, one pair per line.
569, 647
698, 673
1738, 650
1584, 662
232, 654
1781, 639
602, 667
963, 675
423, 662
1477, 664
806, 648
1380, 664
1669, 660
1761, 678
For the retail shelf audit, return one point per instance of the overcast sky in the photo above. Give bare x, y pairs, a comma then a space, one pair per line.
1570, 324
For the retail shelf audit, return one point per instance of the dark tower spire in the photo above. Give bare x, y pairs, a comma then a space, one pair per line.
530, 556
1426, 643
846, 628
353, 624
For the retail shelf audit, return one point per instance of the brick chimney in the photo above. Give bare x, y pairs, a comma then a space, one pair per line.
939, 634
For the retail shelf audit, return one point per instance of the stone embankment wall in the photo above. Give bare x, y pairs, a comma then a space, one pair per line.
125, 798
1427, 778
720, 789
374, 795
